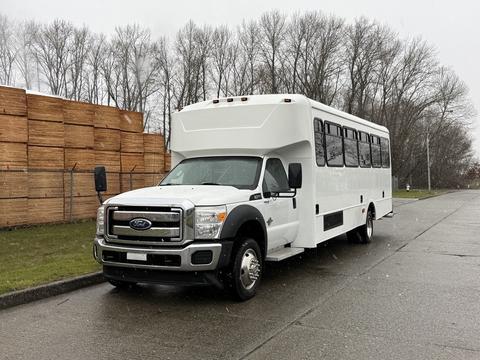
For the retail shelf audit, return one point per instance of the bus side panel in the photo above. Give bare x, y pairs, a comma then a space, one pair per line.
348, 190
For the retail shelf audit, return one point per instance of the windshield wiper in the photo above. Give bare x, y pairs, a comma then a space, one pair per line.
210, 183
167, 184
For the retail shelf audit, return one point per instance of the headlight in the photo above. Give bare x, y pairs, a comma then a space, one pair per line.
209, 221
101, 220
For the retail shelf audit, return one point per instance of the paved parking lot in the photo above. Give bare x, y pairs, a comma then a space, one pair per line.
411, 294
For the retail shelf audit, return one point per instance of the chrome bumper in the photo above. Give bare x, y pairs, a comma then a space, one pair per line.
185, 254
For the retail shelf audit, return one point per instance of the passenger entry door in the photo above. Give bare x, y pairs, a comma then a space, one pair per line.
281, 218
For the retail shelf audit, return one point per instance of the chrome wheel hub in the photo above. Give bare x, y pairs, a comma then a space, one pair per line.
250, 269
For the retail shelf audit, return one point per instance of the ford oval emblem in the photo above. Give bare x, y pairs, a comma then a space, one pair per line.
140, 224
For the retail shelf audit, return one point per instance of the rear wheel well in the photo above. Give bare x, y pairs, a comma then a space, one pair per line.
254, 230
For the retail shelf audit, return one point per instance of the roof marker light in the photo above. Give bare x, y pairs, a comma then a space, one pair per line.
229, 99
287, 100
216, 101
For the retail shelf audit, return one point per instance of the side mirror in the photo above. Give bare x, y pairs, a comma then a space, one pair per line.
100, 179
295, 175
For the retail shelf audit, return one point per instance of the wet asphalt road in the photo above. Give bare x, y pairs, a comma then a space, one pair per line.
414, 293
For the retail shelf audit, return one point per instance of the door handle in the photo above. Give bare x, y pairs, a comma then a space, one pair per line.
266, 201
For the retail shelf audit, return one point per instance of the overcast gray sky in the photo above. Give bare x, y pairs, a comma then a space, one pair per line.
452, 27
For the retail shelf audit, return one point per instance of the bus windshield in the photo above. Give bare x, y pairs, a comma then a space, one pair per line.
241, 172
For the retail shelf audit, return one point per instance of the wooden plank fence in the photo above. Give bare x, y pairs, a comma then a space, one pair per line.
49, 147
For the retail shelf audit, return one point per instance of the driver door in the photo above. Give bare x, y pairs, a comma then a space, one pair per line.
280, 214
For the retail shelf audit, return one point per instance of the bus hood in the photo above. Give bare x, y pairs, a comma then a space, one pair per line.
199, 195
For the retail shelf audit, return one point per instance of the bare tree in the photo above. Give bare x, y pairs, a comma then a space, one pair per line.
272, 27
130, 69
363, 49
247, 51
79, 51
26, 63
221, 56
192, 51
94, 86
8, 52
363, 67
165, 61
315, 46
52, 52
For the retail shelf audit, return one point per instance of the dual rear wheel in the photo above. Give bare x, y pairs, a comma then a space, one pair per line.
364, 233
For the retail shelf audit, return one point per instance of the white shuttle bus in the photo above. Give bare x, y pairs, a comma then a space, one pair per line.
228, 206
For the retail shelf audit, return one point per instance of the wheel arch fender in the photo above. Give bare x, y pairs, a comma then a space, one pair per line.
240, 216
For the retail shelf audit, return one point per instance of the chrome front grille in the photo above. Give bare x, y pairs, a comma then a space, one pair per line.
157, 232
167, 225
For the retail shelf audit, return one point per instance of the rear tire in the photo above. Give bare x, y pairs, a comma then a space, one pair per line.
362, 234
246, 270
366, 232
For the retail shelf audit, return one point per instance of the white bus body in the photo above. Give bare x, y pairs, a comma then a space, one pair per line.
339, 190
267, 126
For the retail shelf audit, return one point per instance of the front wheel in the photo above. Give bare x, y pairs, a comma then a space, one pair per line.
246, 270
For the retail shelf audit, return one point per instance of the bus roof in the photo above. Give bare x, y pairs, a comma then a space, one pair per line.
272, 99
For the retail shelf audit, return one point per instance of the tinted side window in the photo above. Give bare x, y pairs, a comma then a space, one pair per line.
385, 148
364, 149
275, 178
319, 143
376, 155
333, 144
351, 147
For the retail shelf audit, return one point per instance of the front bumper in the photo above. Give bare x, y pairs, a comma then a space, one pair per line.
163, 277
220, 252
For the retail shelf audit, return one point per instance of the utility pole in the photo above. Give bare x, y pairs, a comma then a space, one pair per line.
428, 161
428, 151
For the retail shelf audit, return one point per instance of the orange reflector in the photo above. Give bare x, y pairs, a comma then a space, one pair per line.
221, 216
363, 210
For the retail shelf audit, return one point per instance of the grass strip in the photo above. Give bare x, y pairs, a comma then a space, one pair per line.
42, 254
416, 193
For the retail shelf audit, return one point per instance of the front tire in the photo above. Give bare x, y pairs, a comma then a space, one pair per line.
121, 284
246, 270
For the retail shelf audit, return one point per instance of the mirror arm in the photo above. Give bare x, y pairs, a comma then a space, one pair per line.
292, 194
100, 198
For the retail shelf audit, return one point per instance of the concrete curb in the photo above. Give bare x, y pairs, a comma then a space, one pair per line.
43, 291
424, 198
435, 195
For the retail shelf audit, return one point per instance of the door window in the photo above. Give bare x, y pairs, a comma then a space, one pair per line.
319, 143
275, 179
